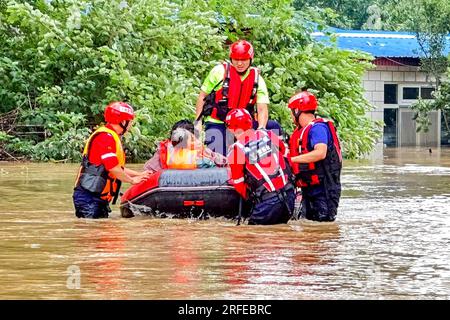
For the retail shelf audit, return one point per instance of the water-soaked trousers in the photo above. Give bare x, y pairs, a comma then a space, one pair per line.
273, 210
320, 204
89, 205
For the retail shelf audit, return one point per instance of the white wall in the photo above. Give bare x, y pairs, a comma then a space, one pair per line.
374, 80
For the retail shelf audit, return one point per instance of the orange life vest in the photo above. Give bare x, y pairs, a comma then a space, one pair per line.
95, 178
177, 158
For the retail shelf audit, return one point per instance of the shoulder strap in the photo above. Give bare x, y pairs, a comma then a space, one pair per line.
252, 101
303, 140
226, 82
255, 85
91, 139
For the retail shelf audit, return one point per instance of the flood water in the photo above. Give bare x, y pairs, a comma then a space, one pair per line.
391, 240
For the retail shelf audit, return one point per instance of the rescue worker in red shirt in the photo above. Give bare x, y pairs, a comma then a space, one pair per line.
316, 159
103, 166
260, 171
231, 85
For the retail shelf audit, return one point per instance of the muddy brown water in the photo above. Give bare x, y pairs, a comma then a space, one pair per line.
390, 241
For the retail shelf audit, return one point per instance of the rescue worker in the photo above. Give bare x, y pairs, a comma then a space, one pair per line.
183, 151
103, 166
260, 170
228, 86
316, 159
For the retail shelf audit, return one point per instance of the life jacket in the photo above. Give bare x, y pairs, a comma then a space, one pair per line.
95, 178
235, 93
177, 158
308, 174
265, 168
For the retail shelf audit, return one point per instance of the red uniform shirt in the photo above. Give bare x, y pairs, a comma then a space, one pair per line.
236, 159
103, 150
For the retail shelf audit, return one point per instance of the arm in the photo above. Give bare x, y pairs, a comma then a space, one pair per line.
133, 173
199, 104
262, 104
120, 174
154, 163
198, 111
237, 173
219, 159
319, 153
211, 82
263, 114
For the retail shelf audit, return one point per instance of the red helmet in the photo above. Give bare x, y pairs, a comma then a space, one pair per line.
303, 101
239, 119
241, 50
116, 112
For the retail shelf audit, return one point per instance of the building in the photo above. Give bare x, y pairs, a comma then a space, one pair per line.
395, 84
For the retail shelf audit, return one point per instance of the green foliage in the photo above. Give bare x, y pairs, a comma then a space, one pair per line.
352, 14
66, 141
429, 19
63, 61
441, 102
289, 61
11, 146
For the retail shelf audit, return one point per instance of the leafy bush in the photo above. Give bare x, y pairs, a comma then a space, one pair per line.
73, 57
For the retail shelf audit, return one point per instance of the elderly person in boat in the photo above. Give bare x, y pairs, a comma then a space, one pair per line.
183, 151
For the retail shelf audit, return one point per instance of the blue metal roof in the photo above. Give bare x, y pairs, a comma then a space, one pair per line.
377, 43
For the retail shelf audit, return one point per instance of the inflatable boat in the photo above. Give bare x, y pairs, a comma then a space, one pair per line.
199, 193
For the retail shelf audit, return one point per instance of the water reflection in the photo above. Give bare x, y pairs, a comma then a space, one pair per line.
277, 264
390, 240
103, 248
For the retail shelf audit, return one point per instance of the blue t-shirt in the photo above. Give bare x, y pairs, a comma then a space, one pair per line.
320, 133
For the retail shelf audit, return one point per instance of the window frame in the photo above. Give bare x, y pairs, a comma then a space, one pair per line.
419, 86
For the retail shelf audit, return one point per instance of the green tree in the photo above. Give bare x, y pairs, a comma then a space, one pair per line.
351, 13
429, 20
63, 61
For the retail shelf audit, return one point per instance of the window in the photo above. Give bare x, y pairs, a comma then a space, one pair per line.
410, 93
390, 128
426, 93
390, 94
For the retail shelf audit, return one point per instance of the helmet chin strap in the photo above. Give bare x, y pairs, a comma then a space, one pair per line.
124, 127
297, 114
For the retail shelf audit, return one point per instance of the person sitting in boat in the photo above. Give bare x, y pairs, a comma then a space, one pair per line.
183, 151
260, 170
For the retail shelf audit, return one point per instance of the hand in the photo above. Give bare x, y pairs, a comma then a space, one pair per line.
138, 179
147, 173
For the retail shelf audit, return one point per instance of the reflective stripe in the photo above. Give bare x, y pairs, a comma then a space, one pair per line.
240, 180
286, 151
280, 170
265, 176
108, 155
240, 145
301, 136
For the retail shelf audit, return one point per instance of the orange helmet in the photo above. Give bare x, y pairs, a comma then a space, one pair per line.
116, 112
239, 119
241, 50
303, 101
